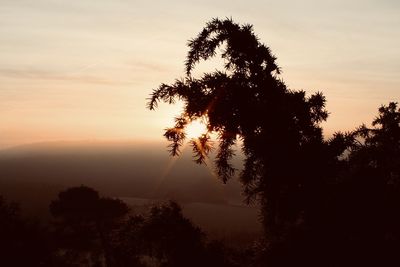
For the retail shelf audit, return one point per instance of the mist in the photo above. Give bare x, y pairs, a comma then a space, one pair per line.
138, 173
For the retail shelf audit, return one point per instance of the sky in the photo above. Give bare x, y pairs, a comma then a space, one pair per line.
82, 70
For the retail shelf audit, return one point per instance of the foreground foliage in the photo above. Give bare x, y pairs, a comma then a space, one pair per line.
332, 202
315, 194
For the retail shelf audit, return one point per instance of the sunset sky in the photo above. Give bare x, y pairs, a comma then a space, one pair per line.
82, 70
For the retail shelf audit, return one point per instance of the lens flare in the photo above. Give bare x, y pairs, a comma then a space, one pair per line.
195, 129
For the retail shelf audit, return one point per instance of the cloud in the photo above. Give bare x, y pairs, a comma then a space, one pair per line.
36, 74
147, 66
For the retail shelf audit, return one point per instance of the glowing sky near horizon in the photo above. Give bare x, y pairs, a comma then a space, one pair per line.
82, 70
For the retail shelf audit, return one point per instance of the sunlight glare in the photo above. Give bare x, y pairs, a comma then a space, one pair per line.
195, 129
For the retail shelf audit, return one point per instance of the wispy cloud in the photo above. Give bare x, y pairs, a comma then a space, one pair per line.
37, 74
141, 66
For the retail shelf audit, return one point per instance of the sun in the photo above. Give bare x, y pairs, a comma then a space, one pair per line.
195, 129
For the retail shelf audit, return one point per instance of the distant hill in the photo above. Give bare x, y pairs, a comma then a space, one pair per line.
34, 174
119, 169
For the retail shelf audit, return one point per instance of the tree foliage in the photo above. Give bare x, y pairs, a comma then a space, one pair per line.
165, 237
319, 197
86, 219
245, 101
22, 242
367, 206
279, 128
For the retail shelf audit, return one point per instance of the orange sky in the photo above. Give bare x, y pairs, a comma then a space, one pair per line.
81, 70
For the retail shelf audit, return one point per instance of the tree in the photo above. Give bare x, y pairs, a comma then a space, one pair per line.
85, 217
174, 239
131, 244
165, 237
381, 144
366, 207
286, 158
22, 242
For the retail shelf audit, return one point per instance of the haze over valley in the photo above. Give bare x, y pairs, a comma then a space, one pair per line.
138, 173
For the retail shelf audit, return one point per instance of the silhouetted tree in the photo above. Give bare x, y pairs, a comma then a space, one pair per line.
380, 147
166, 238
286, 160
365, 209
220, 254
86, 217
131, 244
172, 238
22, 241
